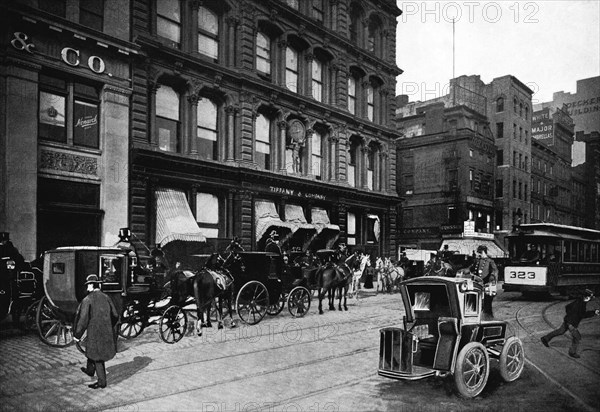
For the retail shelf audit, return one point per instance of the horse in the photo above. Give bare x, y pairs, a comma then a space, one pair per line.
360, 262
439, 267
391, 275
332, 277
211, 283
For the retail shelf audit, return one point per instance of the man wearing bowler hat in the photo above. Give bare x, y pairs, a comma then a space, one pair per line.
97, 314
272, 244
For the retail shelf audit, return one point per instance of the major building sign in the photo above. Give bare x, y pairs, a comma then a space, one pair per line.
542, 127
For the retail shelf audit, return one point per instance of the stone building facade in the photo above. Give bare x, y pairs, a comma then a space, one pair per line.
65, 85
254, 116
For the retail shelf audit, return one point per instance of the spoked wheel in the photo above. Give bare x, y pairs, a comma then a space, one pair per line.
299, 301
132, 321
30, 316
472, 370
276, 308
512, 359
252, 302
52, 329
82, 344
172, 324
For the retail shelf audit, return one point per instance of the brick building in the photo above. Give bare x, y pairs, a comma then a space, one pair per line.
590, 172
253, 116
65, 84
552, 182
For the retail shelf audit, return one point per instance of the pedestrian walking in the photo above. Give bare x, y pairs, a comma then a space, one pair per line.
487, 270
98, 316
575, 311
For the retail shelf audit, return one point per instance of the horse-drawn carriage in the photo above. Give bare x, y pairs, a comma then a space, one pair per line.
444, 334
20, 289
65, 272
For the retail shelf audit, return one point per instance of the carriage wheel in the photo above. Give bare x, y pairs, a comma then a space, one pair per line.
472, 370
52, 330
82, 344
252, 302
512, 359
132, 321
172, 324
276, 308
30, 316
299, 301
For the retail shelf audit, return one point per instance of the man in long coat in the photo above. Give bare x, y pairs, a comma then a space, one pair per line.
486, 269
97, 314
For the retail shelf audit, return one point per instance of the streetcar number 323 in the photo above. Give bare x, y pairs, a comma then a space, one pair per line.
521, 275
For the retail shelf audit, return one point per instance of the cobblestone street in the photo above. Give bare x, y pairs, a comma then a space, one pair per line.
316, 363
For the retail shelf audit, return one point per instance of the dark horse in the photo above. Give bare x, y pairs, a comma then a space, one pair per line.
335, 276
204, 286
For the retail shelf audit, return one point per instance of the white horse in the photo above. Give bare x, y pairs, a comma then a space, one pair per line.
392, 275
364, 261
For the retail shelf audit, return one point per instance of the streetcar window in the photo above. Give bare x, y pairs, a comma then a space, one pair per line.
594, 252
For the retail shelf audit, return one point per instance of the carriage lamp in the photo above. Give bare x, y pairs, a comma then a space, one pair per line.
466, 285
10, 264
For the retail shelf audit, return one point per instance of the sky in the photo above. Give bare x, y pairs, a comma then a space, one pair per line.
547, 44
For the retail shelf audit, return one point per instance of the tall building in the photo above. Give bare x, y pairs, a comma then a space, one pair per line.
445, 170
254, 116
584, 108
552, 184
495, 196
65, 85
590, 185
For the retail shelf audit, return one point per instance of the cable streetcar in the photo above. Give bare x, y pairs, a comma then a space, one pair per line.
547, 257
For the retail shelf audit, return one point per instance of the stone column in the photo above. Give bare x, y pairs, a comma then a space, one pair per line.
308, 151
232, 23
230, 138
191, 35
192, 125
152, 89
364, 150
280, 162
305, 86
377, 172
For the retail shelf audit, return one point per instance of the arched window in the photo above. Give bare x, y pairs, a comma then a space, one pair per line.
168, 126
374, 35
317, 80
263, 53
521, 109
316, 155
168, 21
370, 102
355, 24
515, 105
207, 131
291, 69
352, 95
526, 112
208, 32
371, 168
500, 104
262, 145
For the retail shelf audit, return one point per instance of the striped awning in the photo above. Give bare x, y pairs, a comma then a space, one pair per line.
325, 229
266, 217
174, 219
303, 231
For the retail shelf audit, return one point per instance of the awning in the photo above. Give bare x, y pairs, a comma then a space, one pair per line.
266, 218
174, 219
466, 246
325, 229
302, 231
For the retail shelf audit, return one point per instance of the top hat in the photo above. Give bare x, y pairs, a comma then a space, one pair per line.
4, 236
124, 233
92, 279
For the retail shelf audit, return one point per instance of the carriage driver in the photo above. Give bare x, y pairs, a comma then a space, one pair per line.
487, 270
272, 244
7, 249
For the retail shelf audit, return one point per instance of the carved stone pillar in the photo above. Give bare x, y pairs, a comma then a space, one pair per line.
279, 63
232, 23
305, 86
280, 162
377, 172
152, 89
192, 125
230, 138
364, 161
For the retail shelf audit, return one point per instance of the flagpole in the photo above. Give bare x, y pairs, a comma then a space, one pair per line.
453, 52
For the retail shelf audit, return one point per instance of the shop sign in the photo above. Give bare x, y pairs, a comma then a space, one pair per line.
293, 192
415, 231
68, 55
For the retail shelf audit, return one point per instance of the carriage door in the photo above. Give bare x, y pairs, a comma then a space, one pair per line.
447, 343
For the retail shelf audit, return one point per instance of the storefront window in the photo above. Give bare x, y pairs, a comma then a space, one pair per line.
351, 228
207, 214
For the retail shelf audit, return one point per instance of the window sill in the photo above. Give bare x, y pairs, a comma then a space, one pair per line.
73, 148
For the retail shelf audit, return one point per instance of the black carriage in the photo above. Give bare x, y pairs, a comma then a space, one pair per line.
65, 273
444, 334
20, 289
